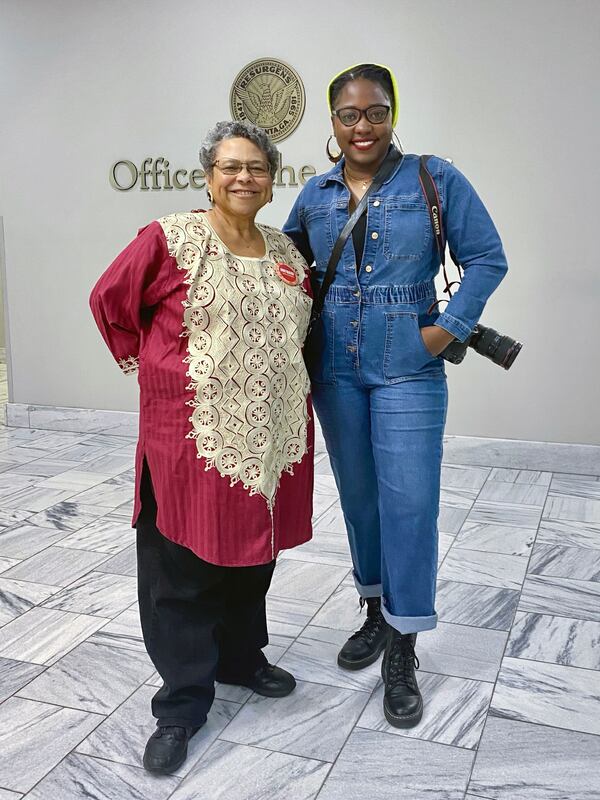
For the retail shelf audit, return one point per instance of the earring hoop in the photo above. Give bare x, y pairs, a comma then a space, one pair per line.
397, 138
333, 157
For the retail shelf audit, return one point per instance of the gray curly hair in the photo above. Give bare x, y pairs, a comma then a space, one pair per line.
231, 130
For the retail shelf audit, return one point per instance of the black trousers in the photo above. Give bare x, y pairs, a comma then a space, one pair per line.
201, 622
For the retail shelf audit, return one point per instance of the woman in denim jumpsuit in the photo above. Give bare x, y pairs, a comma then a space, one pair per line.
379, 385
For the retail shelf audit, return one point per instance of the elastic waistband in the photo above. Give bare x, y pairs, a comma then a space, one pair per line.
380, 295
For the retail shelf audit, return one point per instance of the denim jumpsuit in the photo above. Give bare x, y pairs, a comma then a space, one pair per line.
379, 394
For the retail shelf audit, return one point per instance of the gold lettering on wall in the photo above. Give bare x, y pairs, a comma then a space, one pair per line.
155, 175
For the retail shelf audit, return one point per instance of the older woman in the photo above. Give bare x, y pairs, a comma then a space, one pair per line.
213, 309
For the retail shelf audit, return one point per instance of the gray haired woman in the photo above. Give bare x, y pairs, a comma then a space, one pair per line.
213, 309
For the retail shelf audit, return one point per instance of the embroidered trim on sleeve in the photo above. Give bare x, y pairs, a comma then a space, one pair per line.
129, 365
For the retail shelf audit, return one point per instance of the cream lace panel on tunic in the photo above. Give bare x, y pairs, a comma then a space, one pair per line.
245, 328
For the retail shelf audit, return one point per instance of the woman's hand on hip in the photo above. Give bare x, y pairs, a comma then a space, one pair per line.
435, 339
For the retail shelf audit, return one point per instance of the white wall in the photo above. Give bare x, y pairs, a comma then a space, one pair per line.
508, 89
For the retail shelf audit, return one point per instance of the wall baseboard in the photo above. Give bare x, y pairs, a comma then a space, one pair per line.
580, 459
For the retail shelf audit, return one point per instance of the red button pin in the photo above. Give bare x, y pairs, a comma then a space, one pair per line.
287, 274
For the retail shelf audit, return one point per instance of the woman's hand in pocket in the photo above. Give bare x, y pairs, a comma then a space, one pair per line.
435, 339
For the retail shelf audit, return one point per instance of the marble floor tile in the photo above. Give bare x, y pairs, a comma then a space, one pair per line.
124, 631
84, 451
112, 464
324, 548
76, 479
325, 484
123, 735
6, 794
11, 482
331, 521
379, 766
14, 675
67, 516
304, 581
17, 597
451, 518
520, 476
42, 636
287, 617
454, 711
323, 466
92, 677
10, 517
108, 534
578, 563
123, 563
321, 503
8, 563
314, 721
25, 540
561, 596
445, 542
458, 497
565, 506
462, 651
479, 606
111, 493
341, 611
313, 657
514, 493
518, 761
36, 498
266, 775
576, 486
495, 538
46, 467
484, 569
548, 694
453, 475
80, 777
515, 516
558, 640
567, 533
56, 565
97, 594
34, 737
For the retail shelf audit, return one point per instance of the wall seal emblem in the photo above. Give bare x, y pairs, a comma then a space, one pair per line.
269, 93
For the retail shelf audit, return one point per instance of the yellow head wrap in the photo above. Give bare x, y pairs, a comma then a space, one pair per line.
392, 78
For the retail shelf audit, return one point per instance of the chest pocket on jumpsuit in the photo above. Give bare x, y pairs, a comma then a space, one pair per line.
407, 231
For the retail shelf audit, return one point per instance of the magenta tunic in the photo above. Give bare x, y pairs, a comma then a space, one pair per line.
225, 417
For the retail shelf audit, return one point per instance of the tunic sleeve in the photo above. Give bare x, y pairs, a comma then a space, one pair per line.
132, 284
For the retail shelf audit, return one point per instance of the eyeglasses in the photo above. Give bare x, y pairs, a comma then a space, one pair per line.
350, 116
231, 166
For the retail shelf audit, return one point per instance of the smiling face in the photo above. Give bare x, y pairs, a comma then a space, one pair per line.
242, 194
365, 144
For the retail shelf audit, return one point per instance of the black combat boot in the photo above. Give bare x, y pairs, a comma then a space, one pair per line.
365, 646
402, 701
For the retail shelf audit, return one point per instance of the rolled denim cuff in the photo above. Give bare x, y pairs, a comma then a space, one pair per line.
370, 590
409, 624
453, 326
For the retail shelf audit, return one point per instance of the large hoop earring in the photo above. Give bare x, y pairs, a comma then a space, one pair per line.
399, 143
333, 157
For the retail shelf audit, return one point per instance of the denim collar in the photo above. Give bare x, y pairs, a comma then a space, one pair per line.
336, 173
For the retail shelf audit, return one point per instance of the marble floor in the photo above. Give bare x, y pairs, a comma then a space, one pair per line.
511, 676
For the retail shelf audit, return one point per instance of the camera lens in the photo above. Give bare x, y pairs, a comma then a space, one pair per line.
502, 350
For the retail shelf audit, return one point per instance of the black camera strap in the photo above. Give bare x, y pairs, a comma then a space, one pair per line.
391, 161
434, 206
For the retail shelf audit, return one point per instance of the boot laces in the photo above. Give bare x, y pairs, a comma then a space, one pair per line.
402, 661
371, 626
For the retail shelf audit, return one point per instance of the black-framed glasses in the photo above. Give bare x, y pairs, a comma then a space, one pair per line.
349, 115
231, 166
